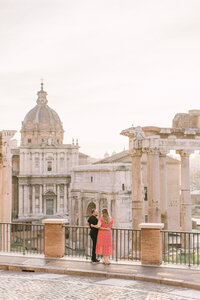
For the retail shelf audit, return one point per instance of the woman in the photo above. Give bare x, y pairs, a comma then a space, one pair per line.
104, 239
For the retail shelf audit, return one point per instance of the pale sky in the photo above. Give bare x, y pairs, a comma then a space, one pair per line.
106, 64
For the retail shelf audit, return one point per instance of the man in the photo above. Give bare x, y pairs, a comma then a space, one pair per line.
93, 233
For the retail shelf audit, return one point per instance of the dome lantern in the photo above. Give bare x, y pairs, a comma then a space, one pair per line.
42, 100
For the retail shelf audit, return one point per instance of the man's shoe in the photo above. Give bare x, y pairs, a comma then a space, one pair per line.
95, 261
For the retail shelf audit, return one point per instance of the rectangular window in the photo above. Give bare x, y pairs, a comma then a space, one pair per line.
49, 166
123, 186
145, 194
146, 219
91, 179
29, 141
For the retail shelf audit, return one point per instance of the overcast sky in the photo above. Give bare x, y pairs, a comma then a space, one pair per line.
106, 64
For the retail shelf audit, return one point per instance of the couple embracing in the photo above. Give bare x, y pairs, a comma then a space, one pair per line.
101, 235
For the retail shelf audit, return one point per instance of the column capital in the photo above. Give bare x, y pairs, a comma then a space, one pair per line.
184, 152
152, 150
136, 152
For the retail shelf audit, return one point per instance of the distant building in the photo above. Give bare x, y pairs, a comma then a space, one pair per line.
42, 165
108, 184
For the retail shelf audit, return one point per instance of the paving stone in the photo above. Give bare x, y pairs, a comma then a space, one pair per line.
45, 286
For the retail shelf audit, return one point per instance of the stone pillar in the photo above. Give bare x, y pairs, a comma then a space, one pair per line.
137, 199
186, 214
65, 199
153, 183
33, 200
43, 164
58, 163
151, 243
58, 199
80, 212
163, 189
26, 200
44, 203
21, 162
54, 237
70, 209
41, 210
20, 200
54, 162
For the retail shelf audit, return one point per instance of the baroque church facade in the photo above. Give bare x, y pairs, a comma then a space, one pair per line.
42, 164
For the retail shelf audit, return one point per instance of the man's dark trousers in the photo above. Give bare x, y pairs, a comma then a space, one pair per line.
94, 242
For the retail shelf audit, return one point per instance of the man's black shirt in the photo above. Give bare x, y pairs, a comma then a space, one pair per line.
93, 220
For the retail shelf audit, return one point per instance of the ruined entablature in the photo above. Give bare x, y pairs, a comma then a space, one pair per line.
187, 120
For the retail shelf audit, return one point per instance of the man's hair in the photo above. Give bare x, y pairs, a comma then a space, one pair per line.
93, 210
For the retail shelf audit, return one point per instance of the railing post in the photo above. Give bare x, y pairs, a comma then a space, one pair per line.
54, 237
151, 243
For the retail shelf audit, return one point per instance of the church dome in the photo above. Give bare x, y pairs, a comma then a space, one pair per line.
42, 124
40, 114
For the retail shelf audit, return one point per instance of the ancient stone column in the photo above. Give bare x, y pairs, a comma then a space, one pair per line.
70, 209
137, 198
33, 200
26, 200
65, 199
163, 189
153, 180
41, 210
58, 162
43, 163
186, 217
20, 200
80, 212
58, 199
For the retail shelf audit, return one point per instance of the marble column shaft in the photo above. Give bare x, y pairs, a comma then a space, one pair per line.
137, 198
80, 209
186, 217
33, 200
41, 199
153, 180
58, 198
20, 200
65, 199
163, 188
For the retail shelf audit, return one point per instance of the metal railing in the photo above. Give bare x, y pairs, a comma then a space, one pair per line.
181, 247
126, 243
21, 238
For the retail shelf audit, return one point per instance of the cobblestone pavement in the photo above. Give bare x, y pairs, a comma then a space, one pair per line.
25, 286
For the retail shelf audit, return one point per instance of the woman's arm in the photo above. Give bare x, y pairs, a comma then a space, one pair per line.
99, 226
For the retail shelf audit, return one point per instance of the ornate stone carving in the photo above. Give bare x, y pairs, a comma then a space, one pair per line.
136, 132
